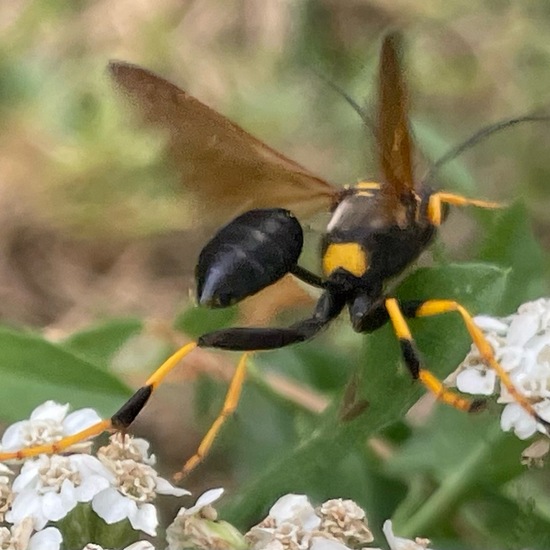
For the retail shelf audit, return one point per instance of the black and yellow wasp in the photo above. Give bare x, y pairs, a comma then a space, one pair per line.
376, 230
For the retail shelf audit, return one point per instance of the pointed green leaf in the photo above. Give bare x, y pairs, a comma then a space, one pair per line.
33, 370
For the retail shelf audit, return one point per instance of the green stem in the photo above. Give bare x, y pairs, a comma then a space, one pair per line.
449, 492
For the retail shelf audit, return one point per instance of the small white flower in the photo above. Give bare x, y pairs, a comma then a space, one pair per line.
398, 543
134, 486
140, 545
293, 524
289, 525
49, 487
20, 537
322, 543
477, 380
123, 446
344, 521
48, 423
6, 492
295, 509
197, 527
521, 343
203, 506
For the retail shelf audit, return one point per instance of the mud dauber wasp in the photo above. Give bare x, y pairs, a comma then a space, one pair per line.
376, 230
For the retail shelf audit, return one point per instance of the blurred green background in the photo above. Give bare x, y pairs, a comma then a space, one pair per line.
97, 254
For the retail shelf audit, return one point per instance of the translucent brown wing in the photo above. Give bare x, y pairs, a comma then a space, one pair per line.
227, 170
393, 136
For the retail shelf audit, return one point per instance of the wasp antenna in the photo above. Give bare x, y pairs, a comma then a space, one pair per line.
351, 102
477, 138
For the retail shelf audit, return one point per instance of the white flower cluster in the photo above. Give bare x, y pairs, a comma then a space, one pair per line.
294, 524
120, 483
521, 343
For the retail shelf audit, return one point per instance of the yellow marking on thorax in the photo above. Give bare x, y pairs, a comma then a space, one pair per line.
348, 256
364, 188
372, 185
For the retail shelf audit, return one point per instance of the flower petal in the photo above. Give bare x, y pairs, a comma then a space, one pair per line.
111, 506
295, 509
56, 506
47, 539
489, 324
90, 487
28, 476
164, 487
209, 497
476, 381
50, 410
398, 543
144, 517
26, 504
522, 328
514, 417
140, 545
80, 420
12, 440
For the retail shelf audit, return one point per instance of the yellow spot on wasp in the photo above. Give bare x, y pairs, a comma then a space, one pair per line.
368, 185
348, 256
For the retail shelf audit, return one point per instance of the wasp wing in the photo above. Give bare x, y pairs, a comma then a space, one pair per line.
393, 135
227, 170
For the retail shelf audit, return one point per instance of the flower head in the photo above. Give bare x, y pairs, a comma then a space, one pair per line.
48, 423
521, 343
345, 521
134, 485
198, 527
6, 493
49, 487
293, 524
21, 536
139, 545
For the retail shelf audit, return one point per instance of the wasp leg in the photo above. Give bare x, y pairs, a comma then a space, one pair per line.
308, 277
413, 363
242, 338
435, 307
436, 201
119, 421
229, 406
237, 339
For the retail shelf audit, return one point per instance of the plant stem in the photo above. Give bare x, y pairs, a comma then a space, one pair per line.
442, 500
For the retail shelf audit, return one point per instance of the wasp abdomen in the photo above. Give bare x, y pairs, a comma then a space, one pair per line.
251, 252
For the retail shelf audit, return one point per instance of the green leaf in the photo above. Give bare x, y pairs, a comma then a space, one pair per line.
199, 320
479, 455
447, 453
384, 383
33, 370
504, 523
510, 242
100, 343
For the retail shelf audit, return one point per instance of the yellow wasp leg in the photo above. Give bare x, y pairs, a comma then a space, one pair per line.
412, 360
119, 421
435, 307
229, 405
